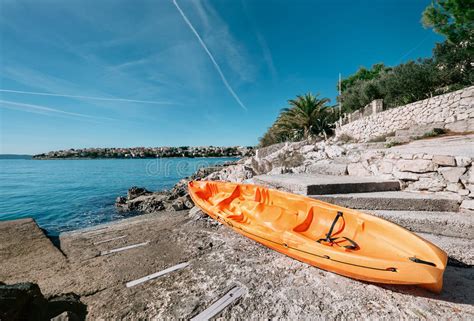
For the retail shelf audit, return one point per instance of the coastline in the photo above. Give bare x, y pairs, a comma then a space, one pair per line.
131, 158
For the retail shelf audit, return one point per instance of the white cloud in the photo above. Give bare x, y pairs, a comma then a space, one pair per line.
45, 110
213, 60
86, 97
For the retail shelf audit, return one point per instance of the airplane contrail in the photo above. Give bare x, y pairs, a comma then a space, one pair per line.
50, 110
85, 97
214, 62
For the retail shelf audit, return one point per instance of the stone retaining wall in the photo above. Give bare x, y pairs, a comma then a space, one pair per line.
418, 172
434, 171
374, 107
455, 110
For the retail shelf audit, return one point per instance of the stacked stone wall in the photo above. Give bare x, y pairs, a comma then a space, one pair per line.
453, 111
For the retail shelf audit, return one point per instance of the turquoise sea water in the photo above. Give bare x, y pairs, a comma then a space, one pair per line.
63, 195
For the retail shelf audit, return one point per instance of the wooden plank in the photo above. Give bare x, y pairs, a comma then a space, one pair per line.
220, 304
110, 240
123, 248
156, 275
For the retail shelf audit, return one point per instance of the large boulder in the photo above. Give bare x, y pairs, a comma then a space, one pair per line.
24, 301
135, 191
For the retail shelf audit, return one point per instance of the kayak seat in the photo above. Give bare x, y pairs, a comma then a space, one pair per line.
274, 217
342, 241
305, 223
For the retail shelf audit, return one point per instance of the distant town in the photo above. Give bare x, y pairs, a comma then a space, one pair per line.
149, 152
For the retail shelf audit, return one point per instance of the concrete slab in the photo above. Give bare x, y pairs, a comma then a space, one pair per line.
26, 254
399, 201
455, 224
325, 184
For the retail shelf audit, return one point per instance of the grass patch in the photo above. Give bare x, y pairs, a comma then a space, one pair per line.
391, 144
345, 138
382, 138
433, 133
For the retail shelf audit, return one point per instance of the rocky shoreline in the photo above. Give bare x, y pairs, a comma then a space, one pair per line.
140, 199
429, 170
147, 152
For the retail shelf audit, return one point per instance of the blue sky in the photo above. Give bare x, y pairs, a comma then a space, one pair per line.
156, 73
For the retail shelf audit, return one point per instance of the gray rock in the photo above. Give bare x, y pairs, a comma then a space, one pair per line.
316, 155
386, 167
454, 187
416, 166
406, 176
66, 316
467, 204
24, 301
406, 156
260, 166
461, 126
463, 161
334, 151
452, 174
326, 168
427, 184
357, 169
266, 151
70, 304
278, 170
307, 149
468, 177
135, 191
444, 160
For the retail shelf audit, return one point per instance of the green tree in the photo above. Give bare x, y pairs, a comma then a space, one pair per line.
306, 117
454, 62
364, 74
451, 18
409, 82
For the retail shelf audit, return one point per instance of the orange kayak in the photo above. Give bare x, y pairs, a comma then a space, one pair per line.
330, 237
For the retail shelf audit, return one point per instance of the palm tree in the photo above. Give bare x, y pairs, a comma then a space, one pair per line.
306, 117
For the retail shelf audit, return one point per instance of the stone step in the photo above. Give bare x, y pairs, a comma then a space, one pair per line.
400, 201
456, 224
456, 248
325, 184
